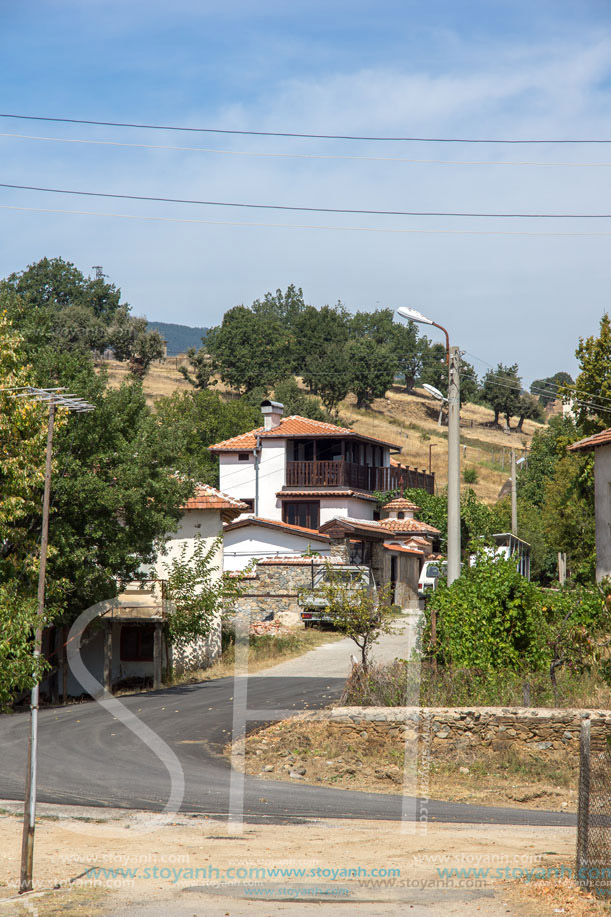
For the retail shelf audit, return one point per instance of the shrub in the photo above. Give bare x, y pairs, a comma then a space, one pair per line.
470, 475
490, 618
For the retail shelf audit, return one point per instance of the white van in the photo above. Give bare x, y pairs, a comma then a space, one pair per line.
429, 576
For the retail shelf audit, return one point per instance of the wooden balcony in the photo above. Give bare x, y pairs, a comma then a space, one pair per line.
361, 477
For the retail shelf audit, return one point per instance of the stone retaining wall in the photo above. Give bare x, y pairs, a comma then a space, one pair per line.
543, 731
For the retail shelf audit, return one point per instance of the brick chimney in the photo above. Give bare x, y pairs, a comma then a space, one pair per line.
272, 412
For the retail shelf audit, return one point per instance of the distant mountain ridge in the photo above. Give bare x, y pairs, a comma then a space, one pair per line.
179, 337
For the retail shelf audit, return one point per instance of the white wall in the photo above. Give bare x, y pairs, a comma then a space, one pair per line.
238, 479
602, 505
256, 541
330, 507
205, 523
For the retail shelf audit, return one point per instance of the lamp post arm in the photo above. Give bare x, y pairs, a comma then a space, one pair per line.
441, 328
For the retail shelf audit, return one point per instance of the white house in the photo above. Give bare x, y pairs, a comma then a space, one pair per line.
295, 475
127, 642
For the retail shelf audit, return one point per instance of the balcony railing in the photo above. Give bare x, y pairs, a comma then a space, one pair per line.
361, 477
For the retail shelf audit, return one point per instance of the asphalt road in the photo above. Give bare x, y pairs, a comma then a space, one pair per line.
87, 757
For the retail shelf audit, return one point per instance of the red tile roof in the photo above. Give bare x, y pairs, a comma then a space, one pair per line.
591, 442
291, 426
276, 524
404, 549
207, 497
288, 494
399, 504
408, 525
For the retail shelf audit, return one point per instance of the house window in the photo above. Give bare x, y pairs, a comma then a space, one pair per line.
136, 643
243, 456
250, 503
302, 513
401, 515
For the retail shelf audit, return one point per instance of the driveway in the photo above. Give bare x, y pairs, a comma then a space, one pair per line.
333, 660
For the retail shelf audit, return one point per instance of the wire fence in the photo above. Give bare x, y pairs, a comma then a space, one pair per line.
594, 811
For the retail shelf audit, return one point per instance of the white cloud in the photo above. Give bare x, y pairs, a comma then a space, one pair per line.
502, 296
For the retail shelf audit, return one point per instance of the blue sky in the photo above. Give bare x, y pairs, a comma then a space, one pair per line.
476, 69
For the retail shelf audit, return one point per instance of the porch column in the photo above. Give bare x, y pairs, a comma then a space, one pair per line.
108, 656
157, 655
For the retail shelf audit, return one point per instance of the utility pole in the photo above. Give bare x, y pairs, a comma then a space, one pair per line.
453, 464
453, 361
54, 398
514, 495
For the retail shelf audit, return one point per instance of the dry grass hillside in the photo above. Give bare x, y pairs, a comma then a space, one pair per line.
410, 421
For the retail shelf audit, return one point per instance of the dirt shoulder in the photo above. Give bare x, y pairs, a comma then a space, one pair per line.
310, 750
193, 865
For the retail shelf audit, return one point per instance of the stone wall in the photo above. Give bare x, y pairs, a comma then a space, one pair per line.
543, 732
276, 588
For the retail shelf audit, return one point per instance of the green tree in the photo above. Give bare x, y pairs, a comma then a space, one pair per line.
57, 306
434, 366
548, 390
528, 408
200, 594
250, 349
501, 388
132, 342
592, 389
285, 308
22, 459
19, 671
192, 421
543, 529
372, 369
115, 496
199, 370
321, 336
359, 611
23, 427
296, 401
568, 514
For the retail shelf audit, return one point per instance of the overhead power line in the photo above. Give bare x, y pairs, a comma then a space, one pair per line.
307, 136
303, 209
261, 225
325, 156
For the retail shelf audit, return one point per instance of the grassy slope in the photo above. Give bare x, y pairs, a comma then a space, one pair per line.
410, 421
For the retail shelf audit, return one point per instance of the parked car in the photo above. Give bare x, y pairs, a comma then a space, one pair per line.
431, 571
314, 602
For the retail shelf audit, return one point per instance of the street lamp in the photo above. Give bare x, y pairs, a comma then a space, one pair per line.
453, 361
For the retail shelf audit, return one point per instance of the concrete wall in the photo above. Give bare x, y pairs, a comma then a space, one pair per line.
602, 505
257, 541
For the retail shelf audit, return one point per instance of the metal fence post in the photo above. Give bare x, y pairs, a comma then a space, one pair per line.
583, 806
